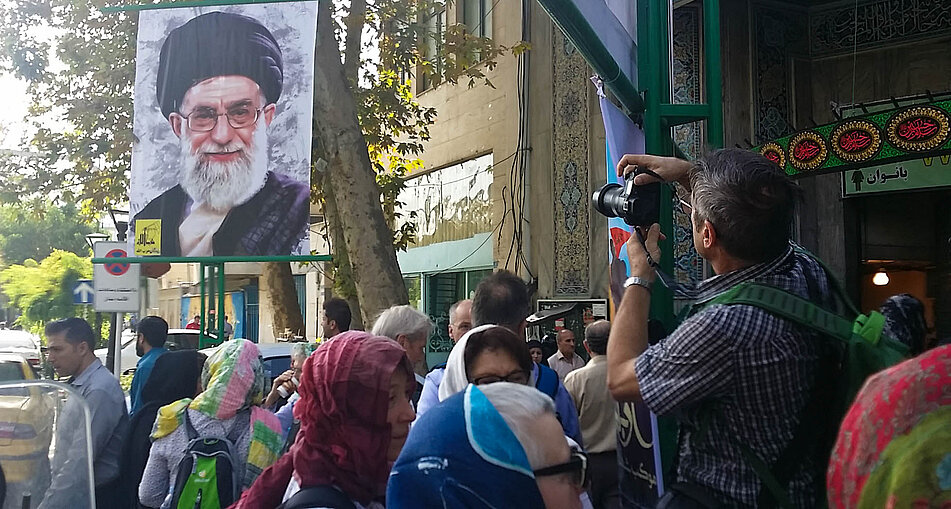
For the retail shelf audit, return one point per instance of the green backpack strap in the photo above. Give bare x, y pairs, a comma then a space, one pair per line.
786, 305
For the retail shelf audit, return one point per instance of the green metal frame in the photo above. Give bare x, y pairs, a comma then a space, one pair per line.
660, 114
216, 264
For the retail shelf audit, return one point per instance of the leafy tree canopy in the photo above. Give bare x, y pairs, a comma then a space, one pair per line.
32, 231
43, 291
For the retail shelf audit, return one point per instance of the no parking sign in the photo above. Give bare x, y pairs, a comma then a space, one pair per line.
117, 284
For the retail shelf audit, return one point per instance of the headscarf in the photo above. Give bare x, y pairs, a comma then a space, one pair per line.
894, 445
461, 453
905, 321
217, 44
174, 377
233, 380
455, 378
344, 433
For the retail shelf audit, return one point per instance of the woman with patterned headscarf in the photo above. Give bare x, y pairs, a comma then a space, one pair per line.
234, 386
894, 445
354, 414
905, 321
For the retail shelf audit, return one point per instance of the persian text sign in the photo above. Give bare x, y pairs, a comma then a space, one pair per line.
923, 173
117, 283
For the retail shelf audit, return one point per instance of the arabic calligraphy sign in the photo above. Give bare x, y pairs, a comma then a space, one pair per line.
928, 172
876, 138
117, 284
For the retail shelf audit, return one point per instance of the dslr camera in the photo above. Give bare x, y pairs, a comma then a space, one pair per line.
635, 205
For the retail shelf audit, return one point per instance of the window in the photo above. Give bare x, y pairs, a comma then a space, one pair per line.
435, 33
477, 16
453, 203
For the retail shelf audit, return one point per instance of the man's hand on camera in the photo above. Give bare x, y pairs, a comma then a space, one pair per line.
637, 255
670, 168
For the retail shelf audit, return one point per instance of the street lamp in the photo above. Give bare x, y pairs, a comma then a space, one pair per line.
121, 223
92, 238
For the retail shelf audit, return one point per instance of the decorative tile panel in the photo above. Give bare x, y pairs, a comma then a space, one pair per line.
570, 128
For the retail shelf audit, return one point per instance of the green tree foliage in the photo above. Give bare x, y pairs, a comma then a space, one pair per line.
86, 90
32, 231
81, 100
43, 291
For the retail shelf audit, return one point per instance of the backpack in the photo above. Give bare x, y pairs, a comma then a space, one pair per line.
851, 349
318, 496
547, 381
206, 476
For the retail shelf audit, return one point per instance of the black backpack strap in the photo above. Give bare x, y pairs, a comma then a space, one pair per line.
189, 428
318, 496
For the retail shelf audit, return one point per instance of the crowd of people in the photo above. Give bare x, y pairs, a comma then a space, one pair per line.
354, 424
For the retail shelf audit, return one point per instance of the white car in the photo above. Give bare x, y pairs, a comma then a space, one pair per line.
178, 339
21, 343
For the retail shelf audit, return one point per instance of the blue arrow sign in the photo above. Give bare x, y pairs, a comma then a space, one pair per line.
83, 292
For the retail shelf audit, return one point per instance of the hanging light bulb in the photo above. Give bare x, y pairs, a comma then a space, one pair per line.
880, 278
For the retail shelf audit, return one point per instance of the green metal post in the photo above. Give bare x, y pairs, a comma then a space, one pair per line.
714, 84
221, 302
654, 79
201, 310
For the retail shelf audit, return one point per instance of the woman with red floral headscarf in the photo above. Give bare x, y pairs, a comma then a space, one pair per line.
354, 415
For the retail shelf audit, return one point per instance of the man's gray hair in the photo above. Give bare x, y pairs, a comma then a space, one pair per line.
453, 308
405, 320
749, 201
301, 350
521, 406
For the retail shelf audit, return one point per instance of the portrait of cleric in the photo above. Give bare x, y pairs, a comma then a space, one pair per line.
221, 161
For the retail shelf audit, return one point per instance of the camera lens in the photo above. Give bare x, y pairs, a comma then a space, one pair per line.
609, 200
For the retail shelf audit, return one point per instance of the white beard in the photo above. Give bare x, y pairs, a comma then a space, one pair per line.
225, 185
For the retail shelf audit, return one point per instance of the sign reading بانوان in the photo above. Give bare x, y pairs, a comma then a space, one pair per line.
116, 284
925, 173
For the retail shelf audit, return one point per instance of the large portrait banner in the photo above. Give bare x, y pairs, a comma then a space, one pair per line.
223, 117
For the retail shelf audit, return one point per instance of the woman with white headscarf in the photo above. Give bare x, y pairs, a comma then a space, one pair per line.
486, 354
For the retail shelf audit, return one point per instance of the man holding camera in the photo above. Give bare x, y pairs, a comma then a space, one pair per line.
735, 377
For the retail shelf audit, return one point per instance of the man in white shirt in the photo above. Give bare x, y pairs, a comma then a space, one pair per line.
565, 360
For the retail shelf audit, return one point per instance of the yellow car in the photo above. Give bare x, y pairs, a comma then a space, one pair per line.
26, 425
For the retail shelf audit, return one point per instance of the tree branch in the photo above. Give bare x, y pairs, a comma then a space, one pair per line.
355, 21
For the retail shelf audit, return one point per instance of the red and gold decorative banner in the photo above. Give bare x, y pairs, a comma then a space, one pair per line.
904, 133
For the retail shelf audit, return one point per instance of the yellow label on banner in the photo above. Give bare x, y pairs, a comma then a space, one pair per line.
148, 237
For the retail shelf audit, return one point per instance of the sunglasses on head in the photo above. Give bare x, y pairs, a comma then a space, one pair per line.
576, 467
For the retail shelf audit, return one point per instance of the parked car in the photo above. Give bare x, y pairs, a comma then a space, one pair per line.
21, 343
26, 428
178, 339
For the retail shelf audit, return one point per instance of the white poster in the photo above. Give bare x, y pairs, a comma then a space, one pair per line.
223, 120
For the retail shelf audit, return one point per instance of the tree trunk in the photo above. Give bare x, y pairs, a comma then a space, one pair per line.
285, 310
369, 241
343, 274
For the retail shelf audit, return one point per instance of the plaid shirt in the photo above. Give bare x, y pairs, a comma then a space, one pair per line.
745, 372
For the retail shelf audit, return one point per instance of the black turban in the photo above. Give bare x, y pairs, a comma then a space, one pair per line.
218, 44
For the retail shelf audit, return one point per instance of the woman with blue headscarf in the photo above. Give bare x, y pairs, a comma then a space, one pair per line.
491, 446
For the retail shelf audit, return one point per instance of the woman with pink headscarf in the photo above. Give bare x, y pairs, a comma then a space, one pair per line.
354, 414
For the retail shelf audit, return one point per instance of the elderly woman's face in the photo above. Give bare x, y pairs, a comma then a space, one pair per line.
492, 366
400, 413
415, 346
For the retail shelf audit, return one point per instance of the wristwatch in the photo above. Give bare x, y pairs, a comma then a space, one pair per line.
639, 281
